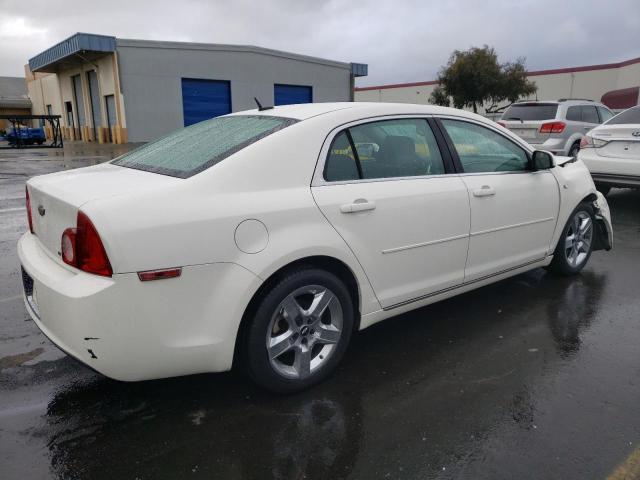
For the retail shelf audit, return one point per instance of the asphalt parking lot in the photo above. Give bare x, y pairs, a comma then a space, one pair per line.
533, 377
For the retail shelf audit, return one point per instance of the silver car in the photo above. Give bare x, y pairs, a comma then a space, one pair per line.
558, 126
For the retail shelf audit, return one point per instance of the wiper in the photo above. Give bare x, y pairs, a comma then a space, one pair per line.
514, 118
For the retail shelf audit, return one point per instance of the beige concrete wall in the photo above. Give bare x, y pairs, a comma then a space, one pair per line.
590, 84
56, 89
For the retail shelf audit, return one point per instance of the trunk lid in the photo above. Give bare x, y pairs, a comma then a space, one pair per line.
57, 197
622, 141
525, 119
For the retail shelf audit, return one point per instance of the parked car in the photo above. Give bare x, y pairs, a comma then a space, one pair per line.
612, 152
26, 135
557, 127
263, 238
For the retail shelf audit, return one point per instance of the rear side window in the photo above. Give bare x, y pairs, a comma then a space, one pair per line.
384, 149
630, 116
589, 114
574, 114
531, 111
191, 150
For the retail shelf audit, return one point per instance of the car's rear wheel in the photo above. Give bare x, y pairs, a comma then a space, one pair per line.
573, 151
576, 242
300, 331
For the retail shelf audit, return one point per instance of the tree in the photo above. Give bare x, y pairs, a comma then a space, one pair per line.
474, 77
439, 97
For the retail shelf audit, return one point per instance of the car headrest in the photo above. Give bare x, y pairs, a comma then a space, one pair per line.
397, 147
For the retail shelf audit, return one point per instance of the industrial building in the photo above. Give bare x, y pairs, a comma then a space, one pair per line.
117, 90
13, 98
617, 85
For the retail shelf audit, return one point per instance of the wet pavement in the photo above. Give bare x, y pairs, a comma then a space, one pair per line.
533, 377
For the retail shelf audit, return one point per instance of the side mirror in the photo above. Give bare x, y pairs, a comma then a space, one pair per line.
542, 160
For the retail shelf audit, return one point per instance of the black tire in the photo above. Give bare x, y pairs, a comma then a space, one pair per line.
573, 151
603, 189
256, 357
561, 264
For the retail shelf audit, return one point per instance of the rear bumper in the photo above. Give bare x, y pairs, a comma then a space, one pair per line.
132, 330
557, 146
624, 181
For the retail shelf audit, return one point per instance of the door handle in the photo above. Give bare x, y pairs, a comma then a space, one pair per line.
359, 205
485, 191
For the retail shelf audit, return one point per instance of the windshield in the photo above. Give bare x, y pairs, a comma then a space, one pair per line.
630, 116
191, 150
531, 111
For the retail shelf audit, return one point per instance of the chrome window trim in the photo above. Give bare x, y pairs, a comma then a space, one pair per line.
318, 178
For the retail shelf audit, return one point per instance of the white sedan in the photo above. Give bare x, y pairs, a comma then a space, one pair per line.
611, 151
266, 238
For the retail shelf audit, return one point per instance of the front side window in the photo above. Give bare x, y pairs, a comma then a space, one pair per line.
384, 149
483, 150
191, 150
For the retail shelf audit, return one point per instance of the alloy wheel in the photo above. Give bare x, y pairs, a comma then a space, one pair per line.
304, 331
577, 244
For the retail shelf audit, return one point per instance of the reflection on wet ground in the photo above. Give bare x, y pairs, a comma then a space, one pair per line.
533, 377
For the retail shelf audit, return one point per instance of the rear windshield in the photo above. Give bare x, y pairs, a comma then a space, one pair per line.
191, 150
631, 116
531, 111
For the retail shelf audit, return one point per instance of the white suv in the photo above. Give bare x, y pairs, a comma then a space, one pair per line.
557, 127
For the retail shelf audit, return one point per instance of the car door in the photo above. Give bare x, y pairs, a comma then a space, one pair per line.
384, 186
513, 209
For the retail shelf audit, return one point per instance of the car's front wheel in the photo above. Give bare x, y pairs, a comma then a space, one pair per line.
576, 242
300, 330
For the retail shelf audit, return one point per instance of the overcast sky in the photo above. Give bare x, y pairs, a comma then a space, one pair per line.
401, 40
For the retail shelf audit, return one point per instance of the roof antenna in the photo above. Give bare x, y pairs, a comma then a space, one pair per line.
260, 107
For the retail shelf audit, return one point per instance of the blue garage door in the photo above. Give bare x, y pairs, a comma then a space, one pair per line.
204, 99
290, 94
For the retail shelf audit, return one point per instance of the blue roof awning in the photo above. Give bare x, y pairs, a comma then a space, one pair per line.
67, 49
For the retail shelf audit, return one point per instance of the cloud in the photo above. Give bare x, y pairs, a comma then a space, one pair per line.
404, 40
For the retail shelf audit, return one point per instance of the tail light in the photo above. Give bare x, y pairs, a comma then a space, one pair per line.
81, 247
552, 127
28, 205
590, 142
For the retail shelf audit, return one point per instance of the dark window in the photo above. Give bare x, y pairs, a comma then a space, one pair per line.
385, 149
188, 151
69, 112
589, 114
483, 150
605, 114
531, 111
630, 116
341, 164
574, 114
